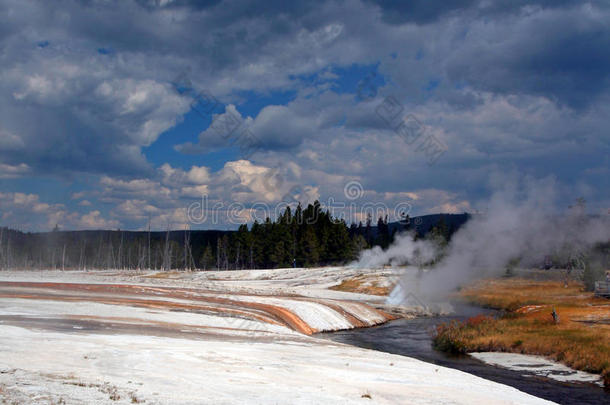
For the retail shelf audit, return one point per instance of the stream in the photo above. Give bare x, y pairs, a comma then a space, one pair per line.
412, 338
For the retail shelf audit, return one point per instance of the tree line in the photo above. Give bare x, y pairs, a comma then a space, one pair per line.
300, 236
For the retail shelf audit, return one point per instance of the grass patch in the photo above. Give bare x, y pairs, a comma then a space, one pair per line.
580, 340
164, 275
363, 286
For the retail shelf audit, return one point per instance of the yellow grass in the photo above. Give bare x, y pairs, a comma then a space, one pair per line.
363, 286
164, 274
580, 340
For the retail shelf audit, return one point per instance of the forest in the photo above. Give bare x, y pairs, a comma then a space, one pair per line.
299, 237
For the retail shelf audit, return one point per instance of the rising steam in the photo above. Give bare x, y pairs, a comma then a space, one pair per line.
520, 224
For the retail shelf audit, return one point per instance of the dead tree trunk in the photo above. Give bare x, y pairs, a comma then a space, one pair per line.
1, 252
166, 253
63, 259
237, 256
218, 243
120, 253
186, 243
149, 243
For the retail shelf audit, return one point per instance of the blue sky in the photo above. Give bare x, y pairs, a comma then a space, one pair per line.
95, 132
346, 81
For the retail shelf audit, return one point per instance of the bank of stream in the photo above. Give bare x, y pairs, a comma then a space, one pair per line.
413, 338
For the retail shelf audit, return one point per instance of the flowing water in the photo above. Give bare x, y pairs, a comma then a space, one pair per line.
412, 338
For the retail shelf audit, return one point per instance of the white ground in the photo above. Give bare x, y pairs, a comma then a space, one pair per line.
49, 353
537, 365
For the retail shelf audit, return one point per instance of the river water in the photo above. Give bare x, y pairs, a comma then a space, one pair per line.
412, 338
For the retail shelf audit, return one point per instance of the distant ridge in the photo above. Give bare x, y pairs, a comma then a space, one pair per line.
421, 224
424, 223
105, 249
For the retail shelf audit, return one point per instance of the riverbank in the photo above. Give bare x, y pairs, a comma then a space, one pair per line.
579, 339
209, 337
413, 338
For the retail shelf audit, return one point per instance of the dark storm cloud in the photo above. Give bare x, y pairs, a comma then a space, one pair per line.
419, 11
500, 7
86, 85
426, 12
560, 54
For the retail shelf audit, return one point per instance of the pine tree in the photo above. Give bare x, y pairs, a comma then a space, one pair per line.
257, 257
405, 221
339, 243
241, 241
439, 233
383, 233
368, 233
311, 254
359, 244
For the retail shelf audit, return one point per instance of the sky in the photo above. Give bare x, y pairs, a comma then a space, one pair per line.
210, 114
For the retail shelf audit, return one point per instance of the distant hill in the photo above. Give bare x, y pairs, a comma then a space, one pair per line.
423, 224
175, 249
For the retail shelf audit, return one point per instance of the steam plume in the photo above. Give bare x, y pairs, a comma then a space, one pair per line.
520, 224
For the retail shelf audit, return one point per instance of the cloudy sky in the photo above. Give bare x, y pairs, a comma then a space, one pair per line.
114, 112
